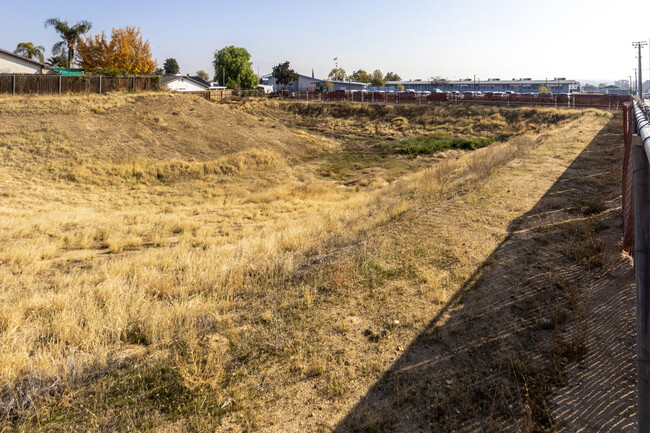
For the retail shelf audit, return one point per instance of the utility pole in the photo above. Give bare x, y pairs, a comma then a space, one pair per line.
640, 45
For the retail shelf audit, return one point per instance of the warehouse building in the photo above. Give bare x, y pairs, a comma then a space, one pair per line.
520, 85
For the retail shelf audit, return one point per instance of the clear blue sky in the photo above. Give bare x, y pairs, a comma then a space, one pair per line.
414, 38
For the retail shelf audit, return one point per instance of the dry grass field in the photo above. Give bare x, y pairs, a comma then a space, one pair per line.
172, 264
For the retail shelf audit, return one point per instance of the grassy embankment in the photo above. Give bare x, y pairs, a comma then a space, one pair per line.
171, 263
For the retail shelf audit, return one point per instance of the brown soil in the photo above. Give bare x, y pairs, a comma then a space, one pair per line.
549, 314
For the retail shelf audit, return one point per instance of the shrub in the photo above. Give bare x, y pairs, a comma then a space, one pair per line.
439, 141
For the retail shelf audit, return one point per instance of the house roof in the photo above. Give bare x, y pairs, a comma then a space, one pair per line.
309, 77
166, 79
199, 80
9, 53
349, 82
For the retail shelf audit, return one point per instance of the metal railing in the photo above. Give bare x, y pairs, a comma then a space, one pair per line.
638, 148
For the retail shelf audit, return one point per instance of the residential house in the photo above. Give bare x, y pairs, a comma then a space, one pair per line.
183, 83
11, 63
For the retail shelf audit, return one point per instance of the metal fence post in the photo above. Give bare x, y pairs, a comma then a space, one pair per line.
59, 84
100, 84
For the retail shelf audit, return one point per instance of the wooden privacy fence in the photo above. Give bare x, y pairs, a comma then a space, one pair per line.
500, 99
56, 84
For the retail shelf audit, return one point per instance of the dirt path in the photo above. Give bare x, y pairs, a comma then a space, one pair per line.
540, 337
601, 391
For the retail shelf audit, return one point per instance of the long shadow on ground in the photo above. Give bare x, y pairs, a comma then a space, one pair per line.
525, 324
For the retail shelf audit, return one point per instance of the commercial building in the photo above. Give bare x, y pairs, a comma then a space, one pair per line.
305, 83
520, 85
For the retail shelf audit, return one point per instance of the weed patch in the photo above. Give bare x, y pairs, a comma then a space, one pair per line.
438, 142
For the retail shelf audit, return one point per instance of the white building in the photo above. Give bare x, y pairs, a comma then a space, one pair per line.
11, 63
305, 83
182, 83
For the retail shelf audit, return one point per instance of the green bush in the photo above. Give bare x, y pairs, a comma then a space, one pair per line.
439, 141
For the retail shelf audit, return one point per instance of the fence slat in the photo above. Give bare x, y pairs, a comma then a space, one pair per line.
17, 84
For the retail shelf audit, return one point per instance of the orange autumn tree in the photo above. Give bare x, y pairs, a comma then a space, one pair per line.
125, 53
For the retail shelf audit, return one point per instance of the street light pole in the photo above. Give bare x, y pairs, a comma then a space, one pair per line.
639, 45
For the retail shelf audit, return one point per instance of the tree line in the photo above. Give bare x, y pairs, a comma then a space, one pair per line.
284, 76
126, 52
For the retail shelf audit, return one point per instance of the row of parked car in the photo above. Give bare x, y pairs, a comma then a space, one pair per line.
508, 98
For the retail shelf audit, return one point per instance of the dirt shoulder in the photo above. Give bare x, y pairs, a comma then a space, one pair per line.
550, 307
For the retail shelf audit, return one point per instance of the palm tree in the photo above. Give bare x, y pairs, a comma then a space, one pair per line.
27, 49
56, 61
70, 36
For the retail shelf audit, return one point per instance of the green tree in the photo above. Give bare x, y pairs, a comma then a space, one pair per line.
378, 79
400, 87
361, 76
159, 71
171, 66
27, 49
337, 74
284, 75
232, 67
391, 76
203, 75
70, 36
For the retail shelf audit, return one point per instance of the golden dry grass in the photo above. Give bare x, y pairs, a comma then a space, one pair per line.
136, 241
